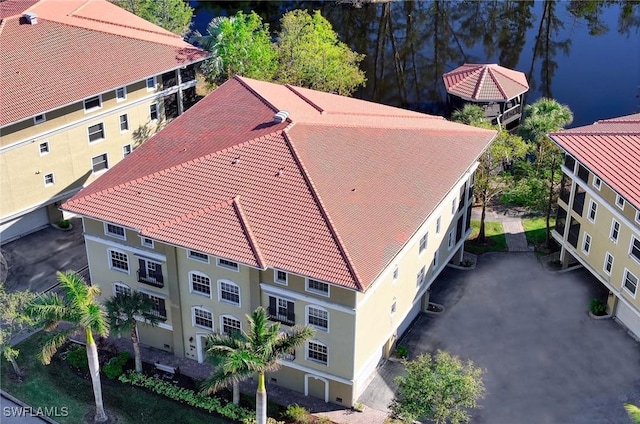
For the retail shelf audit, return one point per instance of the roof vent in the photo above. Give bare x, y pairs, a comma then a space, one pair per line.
280, 116
32, 18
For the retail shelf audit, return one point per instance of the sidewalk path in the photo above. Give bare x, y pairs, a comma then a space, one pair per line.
511, 220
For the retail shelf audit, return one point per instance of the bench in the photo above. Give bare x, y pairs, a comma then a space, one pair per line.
166, 368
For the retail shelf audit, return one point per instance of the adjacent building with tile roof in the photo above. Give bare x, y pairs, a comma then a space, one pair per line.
81, 83
598, 222
326, 210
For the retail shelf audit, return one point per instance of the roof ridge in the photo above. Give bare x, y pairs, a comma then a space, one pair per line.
188, 216
464, 128
507, 76
82, 6
422, 115
598, 133
306, 99
465, 72
323, 212
244, 222
125, 26
495, 81
483, 71
255, 93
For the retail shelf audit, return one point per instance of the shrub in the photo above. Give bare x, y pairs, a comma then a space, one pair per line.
64, 223
115, 367
297, 413
402, 351
597, 307
78, 358
269, 421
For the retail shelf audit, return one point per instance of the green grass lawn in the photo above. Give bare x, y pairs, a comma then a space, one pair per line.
496, 241
56, 385
535, 229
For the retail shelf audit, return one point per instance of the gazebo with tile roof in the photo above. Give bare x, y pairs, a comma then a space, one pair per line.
498, 90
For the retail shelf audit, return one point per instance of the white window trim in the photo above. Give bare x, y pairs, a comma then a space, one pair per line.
195, 258
436, 259
157, 112
425, 236
130, 150
193, 318
624, 279
613, 223
107, 233
438, 225
119, 100
101, 171
598, 186
394, 306
586, 235
638, 216
618, 199
306, 317
604, 266
275, 277
120, 123
220, 299
218, 264
591, 204
454, 206
228, 316
53, 178
143, 238
155, 83
84, 104
48, 148
118, 283
36, 121
633, 238
395, 275
198, 293
104, 133
318, 292
111, 267
306, 352
451, 239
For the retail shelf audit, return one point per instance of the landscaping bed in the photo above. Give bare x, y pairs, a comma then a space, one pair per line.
496, 241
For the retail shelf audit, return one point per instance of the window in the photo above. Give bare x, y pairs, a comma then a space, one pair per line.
593, 209
451, 239
124, 123
317, 352
119, 260
202, 257
151, 83
281, 310
158, 307
569, 162
435, 259
114, 231
316, 286
280, 277
99, 163
394, 306
121, 94
229, 292
438, 225
153, 112
121, 289
223, 263
635, 248
630, 282
230, 325
96, 132
44, 148
92, 103
150, 272
608, 263
202, 318
454, 205
49, 180
317, 317
423, 243
200, 284
615, 231
620, 201
395, 273
597, 182
39, 119
146, 242
586, 243
126, 150
638, 217
420, 276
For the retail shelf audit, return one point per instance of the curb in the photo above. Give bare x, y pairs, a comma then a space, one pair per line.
24, 405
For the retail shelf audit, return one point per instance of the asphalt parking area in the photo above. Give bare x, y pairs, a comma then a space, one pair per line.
546, 361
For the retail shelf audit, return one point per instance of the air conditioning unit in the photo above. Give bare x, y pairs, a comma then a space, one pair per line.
32, 18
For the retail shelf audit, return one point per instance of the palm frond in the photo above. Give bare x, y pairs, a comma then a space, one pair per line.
74, 288
52, 344
633, 411
94, 317
296, 338
220, 379
47, 310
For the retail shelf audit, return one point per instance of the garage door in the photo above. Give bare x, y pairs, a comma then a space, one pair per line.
23, 225
629, 318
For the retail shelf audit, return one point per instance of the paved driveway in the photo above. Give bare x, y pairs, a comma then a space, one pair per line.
546, 361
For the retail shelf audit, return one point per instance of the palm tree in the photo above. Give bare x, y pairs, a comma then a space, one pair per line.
124, 310
470, 114
79, 308
241, 354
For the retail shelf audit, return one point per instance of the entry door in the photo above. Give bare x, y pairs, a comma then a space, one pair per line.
316, 387
200, 346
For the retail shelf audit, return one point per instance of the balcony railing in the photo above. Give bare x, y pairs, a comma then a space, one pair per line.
513, 112
152, 278
287, 319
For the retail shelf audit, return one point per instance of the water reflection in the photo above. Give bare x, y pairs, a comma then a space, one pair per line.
409, 45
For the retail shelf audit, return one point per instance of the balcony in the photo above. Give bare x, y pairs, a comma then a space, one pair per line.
154, 279
578, 201
574, 233
511, 114
287, 318
169, 79
188, 74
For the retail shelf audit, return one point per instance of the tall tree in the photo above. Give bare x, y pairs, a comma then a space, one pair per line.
541, 118
124, 310
78, 307
173, 15
441, 388
241, 354
12, 322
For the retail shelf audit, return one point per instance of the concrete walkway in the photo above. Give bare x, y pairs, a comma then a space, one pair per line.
511, 220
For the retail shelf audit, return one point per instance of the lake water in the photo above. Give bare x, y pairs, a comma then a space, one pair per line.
584, 54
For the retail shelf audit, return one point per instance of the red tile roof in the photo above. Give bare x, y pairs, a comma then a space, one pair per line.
331, 194
489, 82
610, 148
78, 48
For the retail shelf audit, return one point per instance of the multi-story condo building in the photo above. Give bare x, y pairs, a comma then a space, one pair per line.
326, 210
82, 82
598, 222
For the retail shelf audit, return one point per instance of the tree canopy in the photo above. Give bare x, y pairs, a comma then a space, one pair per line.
12, 322
172, 15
